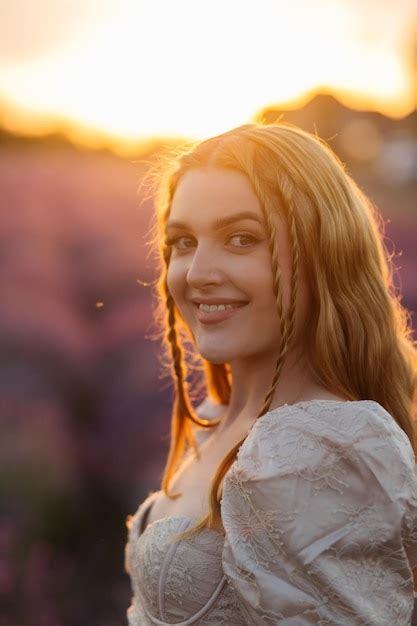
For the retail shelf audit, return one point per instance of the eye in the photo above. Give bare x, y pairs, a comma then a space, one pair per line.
244, 236
180, 242
173, 241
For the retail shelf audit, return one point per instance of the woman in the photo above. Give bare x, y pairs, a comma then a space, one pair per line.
289, 495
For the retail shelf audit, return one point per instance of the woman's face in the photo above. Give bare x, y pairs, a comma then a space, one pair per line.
225, 261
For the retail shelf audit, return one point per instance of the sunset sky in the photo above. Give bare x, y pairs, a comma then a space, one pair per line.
136, 69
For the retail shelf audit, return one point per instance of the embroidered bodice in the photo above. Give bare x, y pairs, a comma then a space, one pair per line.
320, 517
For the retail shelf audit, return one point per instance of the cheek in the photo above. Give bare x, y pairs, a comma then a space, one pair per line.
263, 281
263, 290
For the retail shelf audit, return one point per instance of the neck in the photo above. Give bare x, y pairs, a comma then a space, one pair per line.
251, 382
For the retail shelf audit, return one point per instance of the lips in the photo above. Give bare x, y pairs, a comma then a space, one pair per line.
214, 317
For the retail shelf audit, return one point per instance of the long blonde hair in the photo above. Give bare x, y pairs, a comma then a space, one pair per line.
359, 339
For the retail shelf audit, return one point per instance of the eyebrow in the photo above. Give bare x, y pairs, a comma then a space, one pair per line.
221, 222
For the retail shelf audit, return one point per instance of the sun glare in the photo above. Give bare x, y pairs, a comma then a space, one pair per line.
194, 69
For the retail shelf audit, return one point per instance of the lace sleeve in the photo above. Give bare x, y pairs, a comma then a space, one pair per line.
320, 516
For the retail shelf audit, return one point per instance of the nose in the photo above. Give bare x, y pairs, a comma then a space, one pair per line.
204, 269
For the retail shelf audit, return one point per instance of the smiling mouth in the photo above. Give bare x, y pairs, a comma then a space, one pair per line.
217, 315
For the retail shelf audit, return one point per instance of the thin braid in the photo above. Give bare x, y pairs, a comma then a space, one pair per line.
276, 272
178, 427
172, 337
290, 317
177, 352
182, 412
295, 263
285, 324
177, 359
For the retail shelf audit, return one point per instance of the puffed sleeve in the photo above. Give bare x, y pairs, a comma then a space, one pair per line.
320, 517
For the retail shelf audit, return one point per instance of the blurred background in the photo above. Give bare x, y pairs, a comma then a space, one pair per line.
90, 92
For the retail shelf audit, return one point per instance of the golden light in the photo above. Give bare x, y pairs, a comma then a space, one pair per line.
193, 69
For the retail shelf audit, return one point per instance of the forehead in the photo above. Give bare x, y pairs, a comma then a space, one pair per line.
213, 192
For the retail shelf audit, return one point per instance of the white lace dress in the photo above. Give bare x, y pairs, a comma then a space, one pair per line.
320, 518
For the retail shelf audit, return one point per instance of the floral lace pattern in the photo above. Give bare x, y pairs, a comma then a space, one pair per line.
320, 516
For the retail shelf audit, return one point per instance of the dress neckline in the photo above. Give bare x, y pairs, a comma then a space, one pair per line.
147, 504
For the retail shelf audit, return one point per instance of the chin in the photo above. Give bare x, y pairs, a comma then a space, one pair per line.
216, 357
211, 358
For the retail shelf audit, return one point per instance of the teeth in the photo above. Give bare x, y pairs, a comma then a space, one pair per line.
216, 307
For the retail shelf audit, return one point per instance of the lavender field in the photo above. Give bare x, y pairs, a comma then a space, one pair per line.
84, 411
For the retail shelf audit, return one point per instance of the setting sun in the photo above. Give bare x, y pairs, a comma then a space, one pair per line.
140, 69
